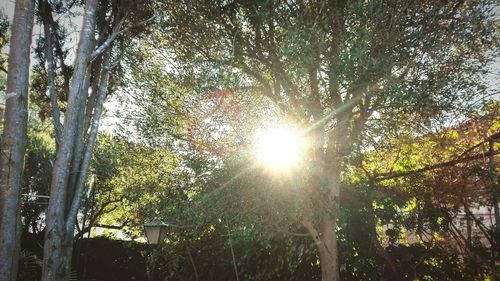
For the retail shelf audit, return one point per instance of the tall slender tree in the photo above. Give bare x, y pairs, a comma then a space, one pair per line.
103, 21
13, 143
66, 187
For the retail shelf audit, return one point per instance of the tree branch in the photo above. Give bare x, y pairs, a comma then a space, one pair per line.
117, 30
312, 230
382, 177
103, 86
49, 57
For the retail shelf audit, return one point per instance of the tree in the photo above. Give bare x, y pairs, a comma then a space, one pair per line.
13, 142
443, 181
76, 137
4, 40
340, 69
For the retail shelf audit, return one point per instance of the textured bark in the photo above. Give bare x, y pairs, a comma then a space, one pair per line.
58, 241
328, 250
45, 12
78, 138
321, 221
79, 144
324, 233
326, 242
94, 127
13, 143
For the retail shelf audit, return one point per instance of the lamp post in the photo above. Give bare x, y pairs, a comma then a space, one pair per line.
155, 231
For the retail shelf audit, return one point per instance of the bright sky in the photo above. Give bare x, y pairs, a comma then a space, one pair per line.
71, 23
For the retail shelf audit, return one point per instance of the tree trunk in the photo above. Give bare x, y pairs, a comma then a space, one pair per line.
321, 223
328, 250
14, 137
45, 13
326, 242
325, 234
58, 237
329, 256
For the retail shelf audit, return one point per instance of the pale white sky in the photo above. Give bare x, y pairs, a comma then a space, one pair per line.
108, 122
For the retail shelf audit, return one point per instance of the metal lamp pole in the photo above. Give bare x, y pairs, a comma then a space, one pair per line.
155, 231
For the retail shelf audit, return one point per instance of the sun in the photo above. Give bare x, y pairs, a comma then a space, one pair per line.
279, 148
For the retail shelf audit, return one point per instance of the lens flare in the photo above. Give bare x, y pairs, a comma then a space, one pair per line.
279, 148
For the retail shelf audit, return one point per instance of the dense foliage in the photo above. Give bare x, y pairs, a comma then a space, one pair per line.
392, 96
